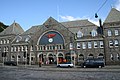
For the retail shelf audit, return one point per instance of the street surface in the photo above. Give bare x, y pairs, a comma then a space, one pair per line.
50, 73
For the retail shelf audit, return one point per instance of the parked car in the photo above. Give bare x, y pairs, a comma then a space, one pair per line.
93, 63
65, 64
10, 63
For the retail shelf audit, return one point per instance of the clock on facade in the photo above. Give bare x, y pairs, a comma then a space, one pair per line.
50, 40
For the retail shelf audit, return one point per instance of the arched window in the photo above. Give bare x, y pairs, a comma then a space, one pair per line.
109, 33
60, 55
79, 34
94, 33
100, 56
81, 57
90, 56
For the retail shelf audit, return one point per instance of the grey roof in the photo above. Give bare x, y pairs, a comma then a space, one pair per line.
77, 23
113, 16
33, 29
15, 28
84, 26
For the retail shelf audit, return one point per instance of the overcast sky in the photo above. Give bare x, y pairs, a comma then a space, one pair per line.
35, 12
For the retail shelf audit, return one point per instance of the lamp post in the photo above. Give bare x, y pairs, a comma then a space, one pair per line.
103, 36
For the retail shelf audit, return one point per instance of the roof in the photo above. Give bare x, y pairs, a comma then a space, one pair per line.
33, 29
78, 23
113, 16
84, 26
15, 28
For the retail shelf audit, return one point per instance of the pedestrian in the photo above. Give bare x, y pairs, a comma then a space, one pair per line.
40, 63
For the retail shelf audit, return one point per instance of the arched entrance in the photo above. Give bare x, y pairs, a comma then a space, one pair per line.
41, 59
60, 58
51, 58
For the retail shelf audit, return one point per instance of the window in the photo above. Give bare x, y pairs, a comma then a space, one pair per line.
4, 41
60, 46
18, 38
22, 49
1, 41
8, 41
94, 33
31, 48
81, 57
111, 56
109, 33
18, 48
116, 43
110, 43
101, 44
26, 40
12, 49
95, 45
18, 56
15, 48
118, 58
116, 32
71, 45
89, 45
78, 45
79, 34
83, 45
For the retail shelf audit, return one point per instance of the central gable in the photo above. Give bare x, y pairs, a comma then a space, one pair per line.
50, 23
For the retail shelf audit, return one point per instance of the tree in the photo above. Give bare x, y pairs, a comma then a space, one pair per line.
2, 26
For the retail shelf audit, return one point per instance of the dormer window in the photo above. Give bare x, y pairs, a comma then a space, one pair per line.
79, 34
26, 40
94, 33
18, 38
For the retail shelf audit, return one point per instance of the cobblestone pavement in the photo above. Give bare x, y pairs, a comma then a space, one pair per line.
48, 73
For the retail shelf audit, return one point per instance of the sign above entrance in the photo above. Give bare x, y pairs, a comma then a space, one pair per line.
51, 37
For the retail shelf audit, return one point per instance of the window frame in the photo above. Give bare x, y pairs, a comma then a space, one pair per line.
116, 32
89, 45
109, 33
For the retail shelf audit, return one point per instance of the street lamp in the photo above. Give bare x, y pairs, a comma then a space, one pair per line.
103, 36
